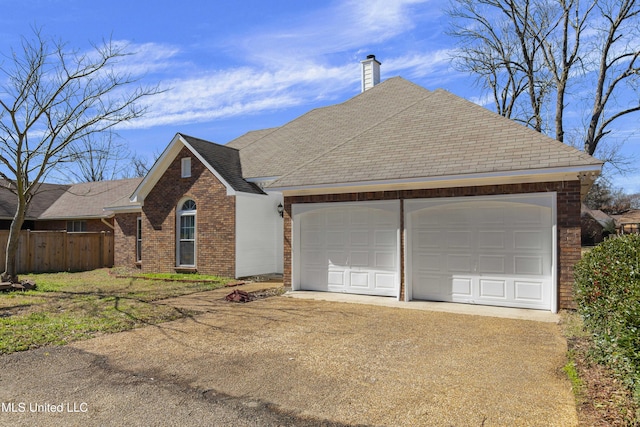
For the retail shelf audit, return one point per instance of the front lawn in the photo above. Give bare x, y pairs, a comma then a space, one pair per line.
68, 307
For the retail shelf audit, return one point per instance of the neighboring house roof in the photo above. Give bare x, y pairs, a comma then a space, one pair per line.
74, 201
88, 199
629, 217
44, 197
600, 217
400, 131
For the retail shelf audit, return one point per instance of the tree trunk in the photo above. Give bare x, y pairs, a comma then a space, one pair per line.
10, 273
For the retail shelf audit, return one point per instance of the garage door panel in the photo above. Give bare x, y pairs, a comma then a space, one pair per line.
525, 216
462, 287
436, 287
459, 239
492, 239
360, 247
529, 291
532, 265
492, 264
359, 238
359, 259
456, 263
384, 238
491, 250
359, 279
311, 239
425, 239
335, 278
336, 258
529, 239
315, 258
385, 260
334, 239
428, 261
493, 288
385, 281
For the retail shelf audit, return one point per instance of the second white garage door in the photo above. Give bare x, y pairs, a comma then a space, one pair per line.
347, 247
482, 250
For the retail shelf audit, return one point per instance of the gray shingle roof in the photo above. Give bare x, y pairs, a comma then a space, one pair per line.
84, 200
45, 196
87, 199
226, 161
398, 130
439, 135
249, 138
314, 133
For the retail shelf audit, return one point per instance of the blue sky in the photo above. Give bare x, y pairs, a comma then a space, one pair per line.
236, 66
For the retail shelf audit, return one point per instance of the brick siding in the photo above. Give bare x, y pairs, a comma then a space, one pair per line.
124, 234
215, 220
568, 221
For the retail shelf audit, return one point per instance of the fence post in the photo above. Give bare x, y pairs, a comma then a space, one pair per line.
29, 261
66, 251
101, 262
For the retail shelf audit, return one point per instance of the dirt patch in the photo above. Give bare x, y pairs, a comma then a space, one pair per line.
603, 400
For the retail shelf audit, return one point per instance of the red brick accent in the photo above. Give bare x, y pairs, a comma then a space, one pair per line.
568, 220
215, 220
124, 234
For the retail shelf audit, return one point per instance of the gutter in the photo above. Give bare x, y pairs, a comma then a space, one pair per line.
104, 221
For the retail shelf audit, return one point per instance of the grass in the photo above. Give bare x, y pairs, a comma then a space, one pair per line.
67, 307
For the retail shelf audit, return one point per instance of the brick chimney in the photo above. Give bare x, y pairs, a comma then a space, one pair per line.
370, 72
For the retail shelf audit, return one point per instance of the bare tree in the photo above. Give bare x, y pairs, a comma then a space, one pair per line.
500, 40
618, 67
50, 98
98, 157
139, 167
520, 47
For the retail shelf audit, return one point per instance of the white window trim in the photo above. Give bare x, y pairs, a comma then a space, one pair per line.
179, 214
185, 167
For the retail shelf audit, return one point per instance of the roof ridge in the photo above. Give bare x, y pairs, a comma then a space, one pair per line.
428, 94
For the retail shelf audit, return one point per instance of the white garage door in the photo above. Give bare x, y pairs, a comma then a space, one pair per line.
347, 247
493, 251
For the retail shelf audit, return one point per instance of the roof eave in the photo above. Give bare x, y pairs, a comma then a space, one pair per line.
586, 174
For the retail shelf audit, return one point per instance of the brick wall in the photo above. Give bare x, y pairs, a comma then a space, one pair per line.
93, 225
568, 221
215, 220
124, 234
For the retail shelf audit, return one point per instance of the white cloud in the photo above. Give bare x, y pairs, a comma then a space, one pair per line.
312, 59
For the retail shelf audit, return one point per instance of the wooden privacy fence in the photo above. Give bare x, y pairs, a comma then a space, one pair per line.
51, 251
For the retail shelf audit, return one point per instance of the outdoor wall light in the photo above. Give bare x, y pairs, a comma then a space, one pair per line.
280, 210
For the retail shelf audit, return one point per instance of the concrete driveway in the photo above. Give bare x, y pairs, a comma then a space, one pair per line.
285, 361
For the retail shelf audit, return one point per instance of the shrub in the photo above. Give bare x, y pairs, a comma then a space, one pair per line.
608, 299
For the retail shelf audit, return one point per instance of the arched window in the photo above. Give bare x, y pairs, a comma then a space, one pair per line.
186, 238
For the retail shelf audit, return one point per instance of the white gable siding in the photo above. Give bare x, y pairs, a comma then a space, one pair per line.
259, 235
